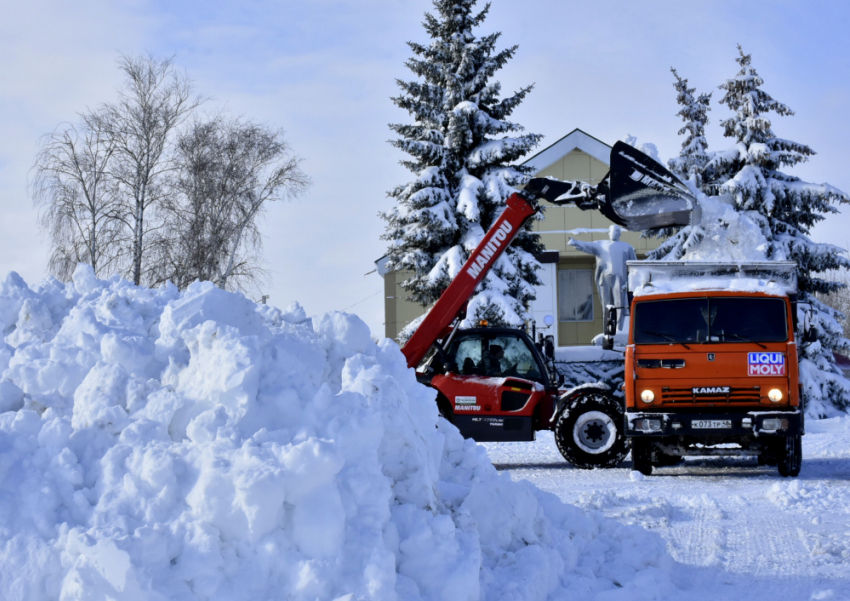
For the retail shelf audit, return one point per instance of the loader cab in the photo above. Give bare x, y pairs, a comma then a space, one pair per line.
493, 385
496, 353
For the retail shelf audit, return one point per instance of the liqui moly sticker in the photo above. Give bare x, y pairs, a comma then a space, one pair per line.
766, 364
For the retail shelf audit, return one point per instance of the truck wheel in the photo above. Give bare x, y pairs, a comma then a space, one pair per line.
589, 432
791, 456
642, 456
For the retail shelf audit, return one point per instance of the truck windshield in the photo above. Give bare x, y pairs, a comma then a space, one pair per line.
723, 319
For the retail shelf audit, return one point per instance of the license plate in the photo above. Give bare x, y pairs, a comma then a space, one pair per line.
710, 424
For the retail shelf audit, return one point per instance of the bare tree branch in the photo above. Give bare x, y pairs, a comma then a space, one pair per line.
229, 169
77, 203
156, 98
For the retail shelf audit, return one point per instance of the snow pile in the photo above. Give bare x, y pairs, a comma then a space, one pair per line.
814, 498
164, 445
723, 236
727, 234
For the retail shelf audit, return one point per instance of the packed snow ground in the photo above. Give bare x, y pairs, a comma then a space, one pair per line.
737, 530
157, 444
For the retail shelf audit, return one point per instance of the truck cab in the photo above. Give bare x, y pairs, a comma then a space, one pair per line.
713, 372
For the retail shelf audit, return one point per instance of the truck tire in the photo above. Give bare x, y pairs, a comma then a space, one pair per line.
642, 456
791, 456
589, 431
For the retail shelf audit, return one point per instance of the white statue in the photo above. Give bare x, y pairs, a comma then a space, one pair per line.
611, 274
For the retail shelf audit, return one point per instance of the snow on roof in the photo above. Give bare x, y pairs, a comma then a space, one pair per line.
575, 139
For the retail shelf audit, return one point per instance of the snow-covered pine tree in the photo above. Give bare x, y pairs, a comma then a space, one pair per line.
461, 156
786, 208
689, 165
693, 157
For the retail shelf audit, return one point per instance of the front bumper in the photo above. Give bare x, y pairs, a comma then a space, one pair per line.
740, 424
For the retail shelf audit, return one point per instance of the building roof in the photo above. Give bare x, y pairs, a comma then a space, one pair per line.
575, 139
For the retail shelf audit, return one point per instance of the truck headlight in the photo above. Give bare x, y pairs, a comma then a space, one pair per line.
772, 424
647, 396
775, 395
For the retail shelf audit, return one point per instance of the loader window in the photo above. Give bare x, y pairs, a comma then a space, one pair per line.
700, 320
496, 357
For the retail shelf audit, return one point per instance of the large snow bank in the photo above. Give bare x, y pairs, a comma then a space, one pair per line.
164, 445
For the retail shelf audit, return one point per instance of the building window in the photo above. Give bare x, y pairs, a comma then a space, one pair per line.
575, 295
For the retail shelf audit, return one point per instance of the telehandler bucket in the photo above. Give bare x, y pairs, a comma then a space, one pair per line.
638, 194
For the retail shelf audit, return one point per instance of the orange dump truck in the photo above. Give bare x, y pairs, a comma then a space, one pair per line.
711, 363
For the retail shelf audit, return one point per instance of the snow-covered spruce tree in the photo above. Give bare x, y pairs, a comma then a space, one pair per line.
786, 209
693, 157
689, 165
461, 155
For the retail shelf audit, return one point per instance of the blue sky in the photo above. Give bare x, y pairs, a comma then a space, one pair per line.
324, 71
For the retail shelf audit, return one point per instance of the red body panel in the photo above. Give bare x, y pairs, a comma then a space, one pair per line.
488, 394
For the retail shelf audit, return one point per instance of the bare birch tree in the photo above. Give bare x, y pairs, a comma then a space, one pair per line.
156, 98
128, 192
78, 208
228, 171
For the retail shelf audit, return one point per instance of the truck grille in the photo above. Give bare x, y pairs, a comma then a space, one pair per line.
686, 395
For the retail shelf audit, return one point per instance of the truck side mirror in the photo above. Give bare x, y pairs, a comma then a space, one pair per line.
793, 299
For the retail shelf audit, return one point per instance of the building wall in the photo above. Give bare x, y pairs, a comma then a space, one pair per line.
398, 311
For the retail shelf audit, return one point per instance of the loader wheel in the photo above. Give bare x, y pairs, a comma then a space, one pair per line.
642, 456
791, 456
589, 432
